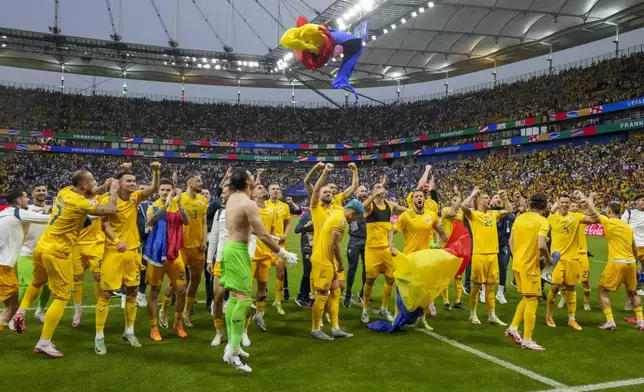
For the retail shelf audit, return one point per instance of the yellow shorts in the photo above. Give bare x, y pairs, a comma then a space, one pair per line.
616, 274
8, 283
217, 269
378, 261
341, 276
192, 257
120, 268
261, 269
640, 254
485, 268
87, 256
175, 270
584, 267
566, 272
322, 276
58, 270
528, 284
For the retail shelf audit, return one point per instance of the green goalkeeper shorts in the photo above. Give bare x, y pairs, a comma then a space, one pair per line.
236, 272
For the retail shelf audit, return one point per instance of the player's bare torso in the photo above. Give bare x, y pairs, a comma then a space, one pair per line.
238, 207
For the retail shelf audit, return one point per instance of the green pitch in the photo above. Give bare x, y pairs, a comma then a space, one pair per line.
286, 358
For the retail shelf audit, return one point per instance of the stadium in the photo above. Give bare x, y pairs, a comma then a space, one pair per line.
410, 139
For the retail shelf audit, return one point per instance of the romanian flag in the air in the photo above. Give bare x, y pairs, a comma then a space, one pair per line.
422, 276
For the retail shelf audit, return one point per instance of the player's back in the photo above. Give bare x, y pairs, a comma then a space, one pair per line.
237, 224
527, 228
620, 238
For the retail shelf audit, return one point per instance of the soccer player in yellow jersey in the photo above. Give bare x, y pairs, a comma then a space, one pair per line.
263, 256
338, 198
168, 209
564, 233
529, 242
195, 239
449, 215
378, 259
282, 214
418, 225
621, 267
326, 262
485, 249
122, 259
584, 264
426, 184
52, 256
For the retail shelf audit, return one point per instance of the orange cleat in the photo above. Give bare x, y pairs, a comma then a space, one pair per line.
574, 325
155, 335
178, 328
550, 322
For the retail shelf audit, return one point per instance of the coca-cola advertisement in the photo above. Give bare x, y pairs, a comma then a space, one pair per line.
595, 229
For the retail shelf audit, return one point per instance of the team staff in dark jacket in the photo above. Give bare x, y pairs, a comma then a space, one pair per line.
305, 229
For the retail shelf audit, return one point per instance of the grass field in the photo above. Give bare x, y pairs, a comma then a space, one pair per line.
458, 356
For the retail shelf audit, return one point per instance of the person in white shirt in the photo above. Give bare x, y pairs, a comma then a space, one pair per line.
635, 219
15, 221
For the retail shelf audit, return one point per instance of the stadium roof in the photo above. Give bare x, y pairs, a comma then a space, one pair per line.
408, 41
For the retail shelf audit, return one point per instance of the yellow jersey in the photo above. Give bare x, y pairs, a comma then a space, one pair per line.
417, 229
322, 253
338, 199
92, 234
378, 222
526, 231
197, 208
283, 213
620, 238
583, 245
319, 213
123, 221
269, 220
68, 216
448, 223
565, 234
429, 203
484, 232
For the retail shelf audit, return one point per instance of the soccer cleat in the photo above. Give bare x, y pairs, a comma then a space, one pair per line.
19, 322
237, 361
48, 349
287, 294
423, 323
447, 306
245, 340
608, 326
550, 322
99, 346
640, 292
320, 335
466, 290
514, 283
432, 309
385, 313
482, 295
155, 335
632, 320
513, 335
178, 328
531, 345
77, 319
360, 300
459, 305
501, 298
187, 320
279, 308
141, 301
494, 320
347, 300
365, 316
218, 340
474, 320
586, 306
340, 333
301, 302
40, 315
574, 325
163, 319
640, 326
562, 302
259, 320
131, 338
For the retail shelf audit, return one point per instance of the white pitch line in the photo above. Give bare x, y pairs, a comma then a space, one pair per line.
605, 385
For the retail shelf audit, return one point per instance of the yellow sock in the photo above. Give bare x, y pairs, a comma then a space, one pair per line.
458, 289
52, 317
31, 293
608, 312
529, 317
334, 307
518, 314
178, 316
445, 295
166, 303
130, 311
102, 308
571, 296
366, 291
78, 292
97, 289
279, 287
550, 304
474, 296
386, 294
638, 313
260, 306
318, 310
247, 321
189, 302
586, 295
219, 324
153, 322
490, 301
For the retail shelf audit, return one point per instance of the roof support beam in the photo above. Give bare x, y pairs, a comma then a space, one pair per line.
509, 9
470, 33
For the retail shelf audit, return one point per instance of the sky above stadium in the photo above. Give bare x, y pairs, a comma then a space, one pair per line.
137, 22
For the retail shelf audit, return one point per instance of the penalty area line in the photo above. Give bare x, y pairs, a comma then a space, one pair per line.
604, 385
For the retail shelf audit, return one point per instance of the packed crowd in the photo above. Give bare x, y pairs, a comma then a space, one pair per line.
608, 81
615, 171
